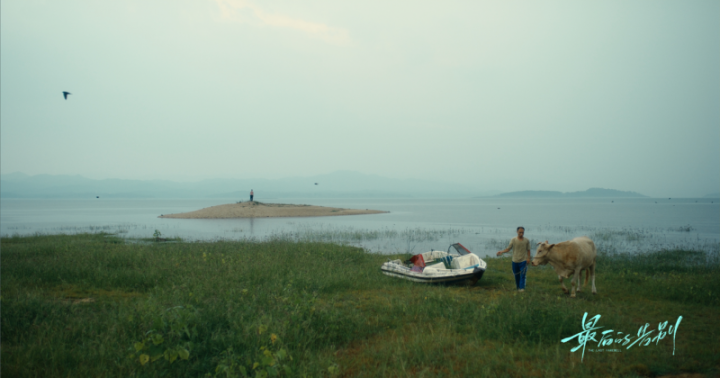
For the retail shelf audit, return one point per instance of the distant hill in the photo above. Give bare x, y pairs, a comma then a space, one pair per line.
590, 193
533, 194
341, 184
713, 195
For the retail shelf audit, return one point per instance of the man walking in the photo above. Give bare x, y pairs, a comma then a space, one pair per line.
251, 195
520, 258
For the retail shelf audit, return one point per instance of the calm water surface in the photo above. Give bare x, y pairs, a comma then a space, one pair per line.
484, 225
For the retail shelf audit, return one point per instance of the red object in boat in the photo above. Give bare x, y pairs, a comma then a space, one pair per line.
418, 260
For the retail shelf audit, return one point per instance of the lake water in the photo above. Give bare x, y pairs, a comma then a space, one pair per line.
484, 225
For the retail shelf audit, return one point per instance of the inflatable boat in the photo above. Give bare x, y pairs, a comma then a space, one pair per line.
455, 265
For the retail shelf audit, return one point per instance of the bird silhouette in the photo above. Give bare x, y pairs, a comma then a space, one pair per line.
65, 94
315, 183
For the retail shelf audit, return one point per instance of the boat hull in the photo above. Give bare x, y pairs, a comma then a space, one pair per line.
432, 275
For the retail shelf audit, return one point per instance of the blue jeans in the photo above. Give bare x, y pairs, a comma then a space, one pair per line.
519, 270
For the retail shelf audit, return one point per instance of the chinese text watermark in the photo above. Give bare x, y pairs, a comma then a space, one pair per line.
608, 338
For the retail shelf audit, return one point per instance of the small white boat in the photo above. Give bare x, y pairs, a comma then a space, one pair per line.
455, 265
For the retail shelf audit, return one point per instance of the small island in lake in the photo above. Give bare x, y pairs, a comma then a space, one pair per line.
256, 209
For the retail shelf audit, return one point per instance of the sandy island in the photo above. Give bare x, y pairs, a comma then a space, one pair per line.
266, 210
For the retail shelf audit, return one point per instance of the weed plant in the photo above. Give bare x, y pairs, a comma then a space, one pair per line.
94, 305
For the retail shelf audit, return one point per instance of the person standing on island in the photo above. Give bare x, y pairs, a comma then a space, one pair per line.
251, 195
520, 258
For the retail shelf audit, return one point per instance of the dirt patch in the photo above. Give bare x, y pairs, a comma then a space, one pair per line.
262, 210
74, 294
83, 300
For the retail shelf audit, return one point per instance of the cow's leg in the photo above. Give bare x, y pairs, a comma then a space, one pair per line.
563, 284
574, 281
579, 286
592, 271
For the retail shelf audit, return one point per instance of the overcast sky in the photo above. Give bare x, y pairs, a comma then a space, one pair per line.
504, 95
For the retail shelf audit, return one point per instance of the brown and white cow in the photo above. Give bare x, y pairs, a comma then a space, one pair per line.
569, 257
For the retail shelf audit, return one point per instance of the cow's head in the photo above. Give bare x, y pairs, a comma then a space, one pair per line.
541, 255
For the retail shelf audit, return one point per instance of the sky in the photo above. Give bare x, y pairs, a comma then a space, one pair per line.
502, 95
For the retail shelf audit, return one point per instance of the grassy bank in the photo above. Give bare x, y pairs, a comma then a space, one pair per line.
92, 305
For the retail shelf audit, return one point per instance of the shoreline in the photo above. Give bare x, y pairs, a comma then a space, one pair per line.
256, 209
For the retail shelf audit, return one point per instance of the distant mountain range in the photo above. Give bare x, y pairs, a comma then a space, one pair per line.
342, 184
590, 193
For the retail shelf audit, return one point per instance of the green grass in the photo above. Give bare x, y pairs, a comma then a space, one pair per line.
94, 305
355, 235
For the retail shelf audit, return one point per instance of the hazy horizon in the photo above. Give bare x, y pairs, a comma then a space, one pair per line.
348, 184
498, 96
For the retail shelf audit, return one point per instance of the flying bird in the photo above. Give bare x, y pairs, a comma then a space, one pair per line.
315, 183
65, 94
